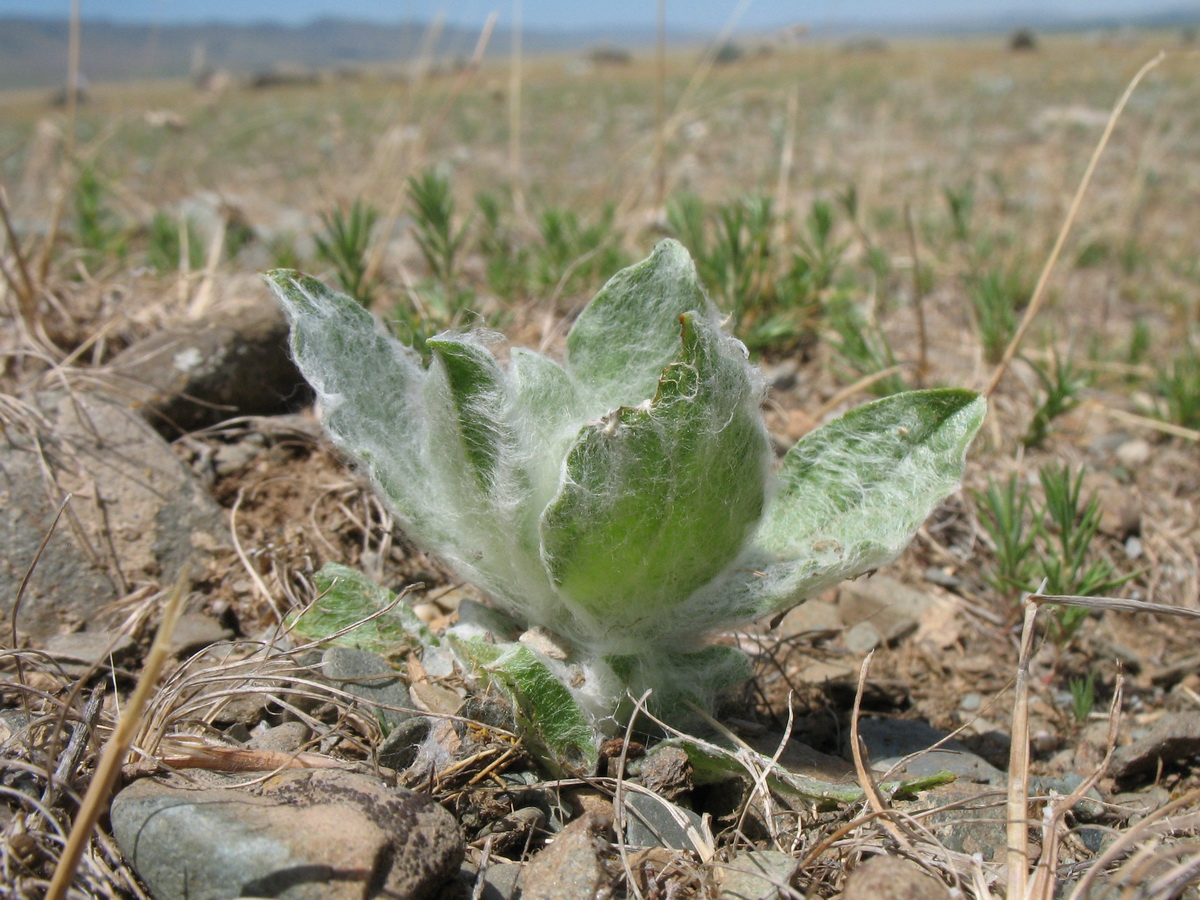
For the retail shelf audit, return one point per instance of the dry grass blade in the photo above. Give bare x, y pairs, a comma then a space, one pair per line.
23, 287
1188, 434
117, 747
1116, 604
1148, 831
1017, 857
1039, 292
1043, 885
870, 788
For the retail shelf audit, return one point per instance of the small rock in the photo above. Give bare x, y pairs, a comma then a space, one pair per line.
195, 631
403, 743
500, 880
1172, 739
233, 362
1134, 454
651, 821
892, 878
1120, 508
667, 772
1090, 808
801, 759
862, 638
964, 817
970, 702
1133, 806
574, 865
890, 740
512, 834
100, 648
892, 607
321, 834
369, 678
756, 875
814, 617
286, 738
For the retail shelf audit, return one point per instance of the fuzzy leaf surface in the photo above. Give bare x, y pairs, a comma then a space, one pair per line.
554, 724
367, 382
465, 398
851, 496
346, 600
657, 499
623, 339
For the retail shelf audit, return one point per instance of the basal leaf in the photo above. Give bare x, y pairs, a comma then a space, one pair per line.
712, 764
367, 382
346, 600
553, 723
852, 495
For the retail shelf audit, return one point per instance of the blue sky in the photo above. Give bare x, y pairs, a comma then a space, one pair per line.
557, 14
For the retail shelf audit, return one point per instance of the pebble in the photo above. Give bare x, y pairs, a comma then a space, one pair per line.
813, 617
369, 678
572, 866
651, 821
892, 878
890, 740
288, 737
91, 647
1174, 738
195, 631
964, 817
756, 874
862, 638
1135, 453
312, 834
893, 608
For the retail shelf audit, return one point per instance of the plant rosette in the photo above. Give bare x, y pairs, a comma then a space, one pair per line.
620, 506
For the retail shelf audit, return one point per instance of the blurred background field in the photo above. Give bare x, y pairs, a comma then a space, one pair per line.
872, 212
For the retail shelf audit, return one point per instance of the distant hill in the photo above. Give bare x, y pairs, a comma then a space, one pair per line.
33, 52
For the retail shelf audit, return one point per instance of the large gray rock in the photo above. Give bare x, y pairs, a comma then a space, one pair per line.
315, 834
234, 362
137, 513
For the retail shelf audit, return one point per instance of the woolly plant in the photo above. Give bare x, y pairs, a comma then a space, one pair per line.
622, 504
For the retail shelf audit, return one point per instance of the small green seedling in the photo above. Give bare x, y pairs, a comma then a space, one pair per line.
344, 244
620, 506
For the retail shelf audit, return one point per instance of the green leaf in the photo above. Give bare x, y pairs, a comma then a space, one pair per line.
620, 343
679, 678
712, 764
367, 383
546, 417
658, 499
555, 727
346, 598
852, 495
465, 398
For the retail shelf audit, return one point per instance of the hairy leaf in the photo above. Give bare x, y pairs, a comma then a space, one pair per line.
347, 611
